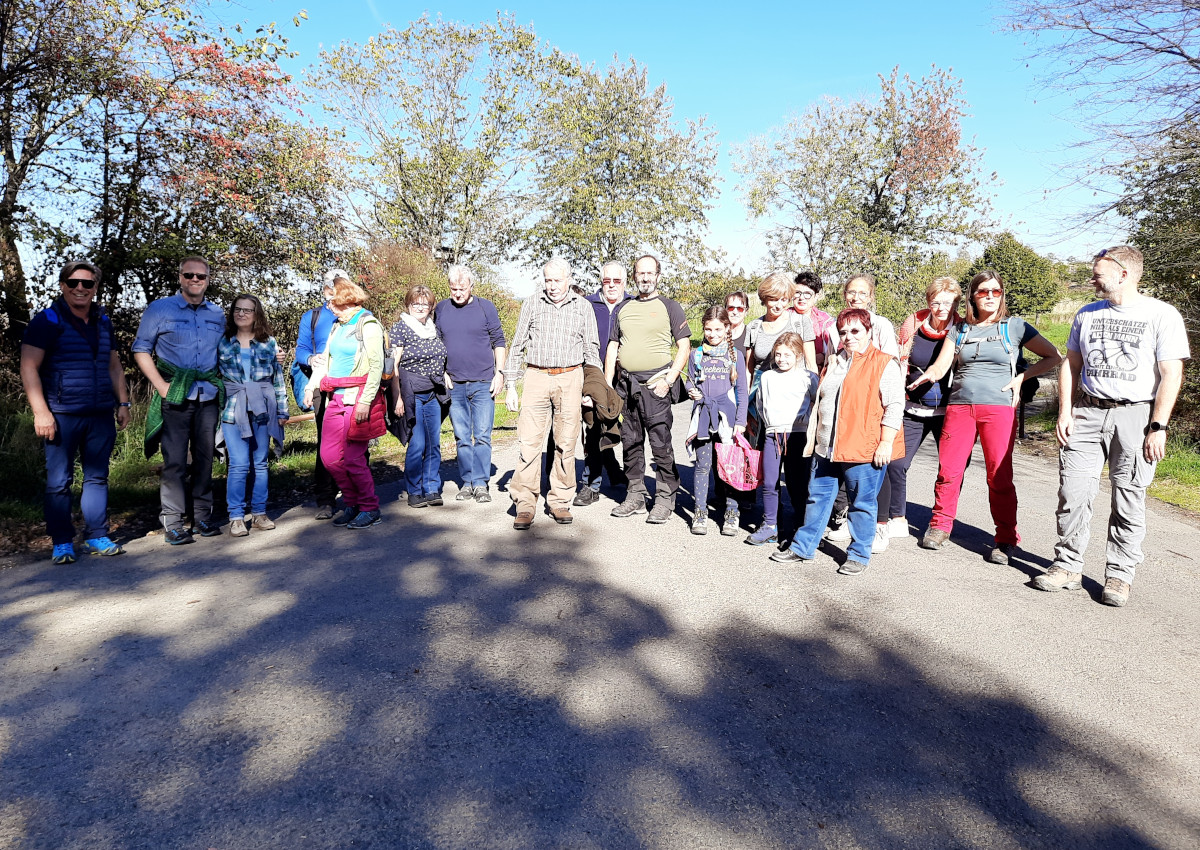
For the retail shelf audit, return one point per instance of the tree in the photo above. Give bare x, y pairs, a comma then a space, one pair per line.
615, 175
870, 183
1030, 285
439, 114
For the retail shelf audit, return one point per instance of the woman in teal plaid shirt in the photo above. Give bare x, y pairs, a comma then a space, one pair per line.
255, 408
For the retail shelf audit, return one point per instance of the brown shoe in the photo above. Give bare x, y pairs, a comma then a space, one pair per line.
1116, 592
523, 521
934, 539
561, 515
1058, 578
262, 522
237, 528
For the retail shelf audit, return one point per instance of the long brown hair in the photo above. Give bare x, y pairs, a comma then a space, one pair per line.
261, 329
972, 315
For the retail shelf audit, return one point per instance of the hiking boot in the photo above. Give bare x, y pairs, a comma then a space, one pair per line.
764, 535
206, 528
1058, 578
64, 553
586, 496
699, 524
261, 522
101, 546
562, 515
482, 495
897, 527
415, 501
366, 519
434, 500
237, 528
324, 512
729, 528
178, 536
1116, 592
839, 533
661, 512
348, 513
634, 504
523, 521
934, 538
882, 539
1000, 553
465, 494
852, 568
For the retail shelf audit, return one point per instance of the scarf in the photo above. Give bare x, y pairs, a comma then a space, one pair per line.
424, 331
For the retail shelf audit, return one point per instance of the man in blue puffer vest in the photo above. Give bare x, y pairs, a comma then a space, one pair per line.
74, 381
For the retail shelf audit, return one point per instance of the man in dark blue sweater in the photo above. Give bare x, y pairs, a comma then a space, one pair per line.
76, 388
596, 461
475, 349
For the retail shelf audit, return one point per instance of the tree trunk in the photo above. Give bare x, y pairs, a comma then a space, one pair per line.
14, 300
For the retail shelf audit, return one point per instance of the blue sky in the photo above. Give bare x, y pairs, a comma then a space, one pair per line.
749, 66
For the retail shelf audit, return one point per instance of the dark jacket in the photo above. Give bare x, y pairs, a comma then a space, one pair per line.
74, 371
607, 408
604, 318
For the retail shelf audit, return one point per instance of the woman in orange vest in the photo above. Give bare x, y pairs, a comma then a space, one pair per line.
856, 432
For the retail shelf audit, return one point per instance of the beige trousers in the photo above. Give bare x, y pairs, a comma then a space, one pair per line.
547, 398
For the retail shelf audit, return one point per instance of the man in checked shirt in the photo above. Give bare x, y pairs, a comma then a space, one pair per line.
556, 335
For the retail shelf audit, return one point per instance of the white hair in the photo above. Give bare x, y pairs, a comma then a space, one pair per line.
560, 264
461, 274
334, 274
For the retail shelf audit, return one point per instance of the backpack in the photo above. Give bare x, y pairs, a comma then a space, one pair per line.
1016, 357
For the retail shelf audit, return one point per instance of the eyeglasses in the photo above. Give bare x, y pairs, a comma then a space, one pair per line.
243, 311
193, 276
989, 293
941, 305
805, 295
734, 308
1105, 255
74, 282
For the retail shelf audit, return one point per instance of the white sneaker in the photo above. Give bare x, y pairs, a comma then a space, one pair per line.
881, 538
898, 527
839, 533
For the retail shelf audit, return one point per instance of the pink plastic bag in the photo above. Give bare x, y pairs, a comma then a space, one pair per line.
739, 465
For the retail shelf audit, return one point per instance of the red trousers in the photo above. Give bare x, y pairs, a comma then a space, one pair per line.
996, 427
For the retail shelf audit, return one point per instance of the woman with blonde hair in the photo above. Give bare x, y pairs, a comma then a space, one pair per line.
921, 338
776, 293
351, 372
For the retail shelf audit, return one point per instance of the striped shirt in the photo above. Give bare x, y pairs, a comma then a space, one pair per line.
553, 336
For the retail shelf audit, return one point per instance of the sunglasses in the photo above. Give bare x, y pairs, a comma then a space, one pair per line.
989, 293
74, 282
1104, 255
733, 308
193, 276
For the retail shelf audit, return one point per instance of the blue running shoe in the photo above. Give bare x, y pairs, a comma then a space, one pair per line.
64, 553
101, 546
766, 534
366, 519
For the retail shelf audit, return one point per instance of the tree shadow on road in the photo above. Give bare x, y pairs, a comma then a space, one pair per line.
430, 688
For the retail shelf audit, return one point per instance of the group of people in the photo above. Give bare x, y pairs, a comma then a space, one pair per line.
836, 406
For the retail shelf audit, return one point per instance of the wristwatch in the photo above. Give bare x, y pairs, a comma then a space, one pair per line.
1159, 426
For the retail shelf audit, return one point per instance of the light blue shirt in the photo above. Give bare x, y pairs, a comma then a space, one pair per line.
184, 335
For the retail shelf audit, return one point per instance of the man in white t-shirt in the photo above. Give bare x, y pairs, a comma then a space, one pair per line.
1126, 356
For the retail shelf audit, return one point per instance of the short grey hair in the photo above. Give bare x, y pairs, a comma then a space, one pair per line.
614, 264
461, 274
560, 264
334, 274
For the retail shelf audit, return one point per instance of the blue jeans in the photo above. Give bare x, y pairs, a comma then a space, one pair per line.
243, 454
423, 460
91, 436
862, 487
472, 413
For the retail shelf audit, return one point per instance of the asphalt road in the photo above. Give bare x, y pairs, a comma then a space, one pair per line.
441, 681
